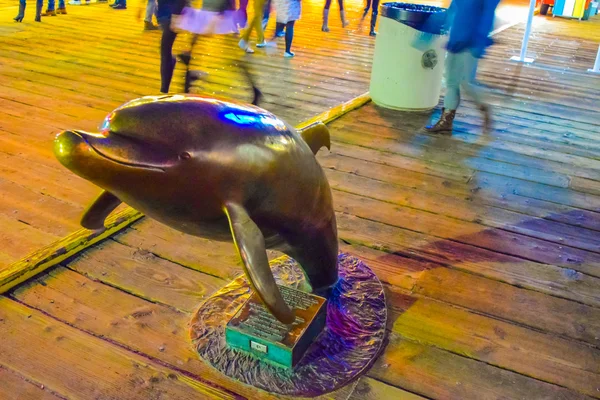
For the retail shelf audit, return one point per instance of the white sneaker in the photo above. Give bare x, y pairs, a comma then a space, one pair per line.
265, 44
288, 55
245, 46
75, 2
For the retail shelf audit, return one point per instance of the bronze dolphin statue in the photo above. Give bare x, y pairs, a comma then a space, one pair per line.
216, 169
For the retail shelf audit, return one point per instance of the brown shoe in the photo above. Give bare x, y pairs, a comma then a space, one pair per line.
49, 13
487, 119
149, 26
444, 124
61, 11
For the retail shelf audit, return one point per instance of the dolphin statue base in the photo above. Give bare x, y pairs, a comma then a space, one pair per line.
337, 356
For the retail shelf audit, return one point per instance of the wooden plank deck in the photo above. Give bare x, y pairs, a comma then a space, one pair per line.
488, 246
70, 71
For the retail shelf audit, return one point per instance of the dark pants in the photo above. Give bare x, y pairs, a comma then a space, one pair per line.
51, 5
289, 33
375, 4
328, 4
167, 61
243, 8
267, 12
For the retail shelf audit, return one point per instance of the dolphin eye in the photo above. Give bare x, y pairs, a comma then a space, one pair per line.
185, 156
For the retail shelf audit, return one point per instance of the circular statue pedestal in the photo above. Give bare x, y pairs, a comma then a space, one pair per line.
351, 341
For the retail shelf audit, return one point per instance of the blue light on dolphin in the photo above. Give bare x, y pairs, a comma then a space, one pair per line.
246, 119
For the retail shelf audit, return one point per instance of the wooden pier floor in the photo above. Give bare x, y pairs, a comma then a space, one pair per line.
71, 70
488, 246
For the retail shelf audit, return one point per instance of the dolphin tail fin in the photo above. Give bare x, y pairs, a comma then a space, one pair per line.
250, 244
316, 136
96, 213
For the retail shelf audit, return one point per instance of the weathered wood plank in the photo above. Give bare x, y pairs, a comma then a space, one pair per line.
214, 258
394, 169
462, 209
110, 313
490, 297
481, 152
496, 240
435, 373
372, 389
37, 210
546, 313
548, 279
15, 387
17, 236
542, 356
59, 251
141, 273
39, 347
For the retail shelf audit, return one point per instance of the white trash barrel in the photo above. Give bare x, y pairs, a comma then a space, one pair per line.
403, 77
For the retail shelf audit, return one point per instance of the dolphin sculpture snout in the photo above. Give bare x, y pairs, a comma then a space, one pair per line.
74, 147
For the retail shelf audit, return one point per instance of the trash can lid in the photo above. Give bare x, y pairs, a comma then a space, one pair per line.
429, 19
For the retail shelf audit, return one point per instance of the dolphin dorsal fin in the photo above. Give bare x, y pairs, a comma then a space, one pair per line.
93, 218
316, 136
250, 244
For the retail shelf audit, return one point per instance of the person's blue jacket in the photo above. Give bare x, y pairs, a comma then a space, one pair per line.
470, 23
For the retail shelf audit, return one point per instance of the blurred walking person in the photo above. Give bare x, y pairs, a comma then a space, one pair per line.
150, 12
38, 11
164, 14
50, 11
470, 23
256, 25
375, 11
325, 27
288, 12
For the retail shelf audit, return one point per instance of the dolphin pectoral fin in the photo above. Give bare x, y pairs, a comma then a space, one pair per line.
96, 213
250, 244
316, 136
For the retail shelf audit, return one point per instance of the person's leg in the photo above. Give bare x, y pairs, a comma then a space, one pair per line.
266, 14
190, 76
367, 7
50, 9
473, 90
289, 36
167, 61
119, 5
256, 25
259, 7
150, 10
345, 22
374, 17
38, 10
279, 28
325, 27
21, 14
243, 9
245, 40
455, 71
468, 83
62, 9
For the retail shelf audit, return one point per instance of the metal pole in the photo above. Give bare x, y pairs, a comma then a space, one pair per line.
596, 68
522, 57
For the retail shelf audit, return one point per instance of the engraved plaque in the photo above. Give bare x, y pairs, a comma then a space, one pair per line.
255, 330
